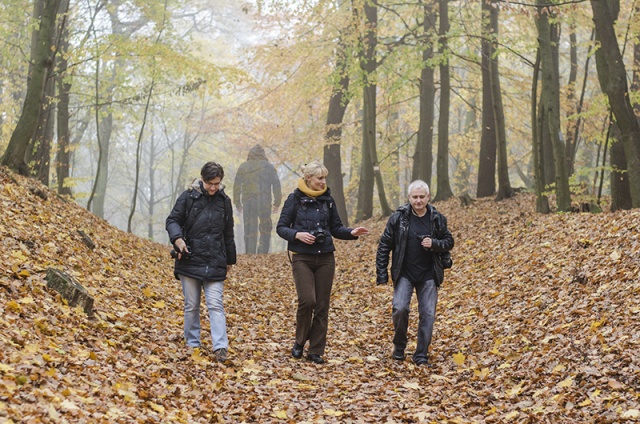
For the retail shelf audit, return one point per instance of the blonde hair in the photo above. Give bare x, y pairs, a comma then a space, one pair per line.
314, 169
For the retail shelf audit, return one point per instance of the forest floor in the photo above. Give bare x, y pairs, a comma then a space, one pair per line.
537, 321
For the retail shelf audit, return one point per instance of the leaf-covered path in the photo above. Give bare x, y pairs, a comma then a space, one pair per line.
539, 320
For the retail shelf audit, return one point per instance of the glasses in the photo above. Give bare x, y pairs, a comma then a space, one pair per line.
211, 183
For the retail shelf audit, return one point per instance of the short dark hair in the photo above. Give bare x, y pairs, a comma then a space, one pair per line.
211, 170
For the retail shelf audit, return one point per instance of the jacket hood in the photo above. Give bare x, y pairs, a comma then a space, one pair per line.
197, 187
257, 153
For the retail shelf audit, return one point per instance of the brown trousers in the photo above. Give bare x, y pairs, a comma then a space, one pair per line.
313, 276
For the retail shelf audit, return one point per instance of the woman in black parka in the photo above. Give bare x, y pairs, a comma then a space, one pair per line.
200, 228
309, 221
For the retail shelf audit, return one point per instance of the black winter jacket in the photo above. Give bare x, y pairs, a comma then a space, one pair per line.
394, 239
302, 213
206, 224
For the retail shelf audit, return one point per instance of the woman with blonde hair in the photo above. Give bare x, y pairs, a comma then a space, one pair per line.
309, 221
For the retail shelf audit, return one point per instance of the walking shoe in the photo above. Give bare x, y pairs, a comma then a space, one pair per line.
220, 354
296, 351
315, 358
398, 354
421, 361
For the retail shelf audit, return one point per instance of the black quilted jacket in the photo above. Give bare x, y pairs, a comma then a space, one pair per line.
206, 224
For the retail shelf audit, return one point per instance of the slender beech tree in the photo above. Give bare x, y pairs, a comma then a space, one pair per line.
504, 184
423, 156
613, 81
443, 191
333, 132
542, 201
370, 169
42, 60
63, 157
488, 135
550, 99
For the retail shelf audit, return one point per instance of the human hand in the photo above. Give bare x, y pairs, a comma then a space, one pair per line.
275, 209
181, 247
305, 237
427, 242
359, 231
239, 208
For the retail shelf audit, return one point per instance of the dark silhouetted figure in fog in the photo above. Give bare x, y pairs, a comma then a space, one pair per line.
257, 194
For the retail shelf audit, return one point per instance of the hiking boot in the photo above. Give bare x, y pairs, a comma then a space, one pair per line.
398, 354
296, 351
221, 354
315, 358
421, 361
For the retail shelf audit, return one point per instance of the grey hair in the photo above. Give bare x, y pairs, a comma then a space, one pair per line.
314, 169
418, 184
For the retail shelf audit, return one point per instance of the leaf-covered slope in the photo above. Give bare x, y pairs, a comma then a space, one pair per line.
539, 319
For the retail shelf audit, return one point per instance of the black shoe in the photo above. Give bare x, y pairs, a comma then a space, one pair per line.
421, 361
316, 359
398, 354
296, 351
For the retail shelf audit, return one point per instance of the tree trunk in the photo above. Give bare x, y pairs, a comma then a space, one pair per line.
612, 77
104, 128
542, 201
444, 187
620, 193
572, 123
574, 141
504, 184
139, 160
487, 161
551, 96
364, 208
333, 135
151, 201
63, 160
423, 157
42, 58
39, 153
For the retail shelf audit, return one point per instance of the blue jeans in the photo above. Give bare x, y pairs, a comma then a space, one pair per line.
427, 294
192, 289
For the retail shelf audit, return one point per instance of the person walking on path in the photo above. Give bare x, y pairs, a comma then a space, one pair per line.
309, 221
257, 194
418, 236
200, 227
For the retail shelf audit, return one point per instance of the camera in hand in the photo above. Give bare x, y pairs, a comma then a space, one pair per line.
320, 235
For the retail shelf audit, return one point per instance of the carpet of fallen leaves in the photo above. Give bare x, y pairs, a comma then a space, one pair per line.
538, 321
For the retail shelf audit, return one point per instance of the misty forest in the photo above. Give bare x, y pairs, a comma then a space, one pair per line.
521, 116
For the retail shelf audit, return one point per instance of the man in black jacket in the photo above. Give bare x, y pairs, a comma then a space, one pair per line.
256, 194
417, 235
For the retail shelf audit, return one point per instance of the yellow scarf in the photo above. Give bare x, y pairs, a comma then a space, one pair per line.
302, 186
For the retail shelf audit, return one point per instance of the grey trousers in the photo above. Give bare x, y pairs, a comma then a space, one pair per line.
427, 294
257, 223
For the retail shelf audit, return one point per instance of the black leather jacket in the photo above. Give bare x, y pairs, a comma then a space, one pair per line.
394, 239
